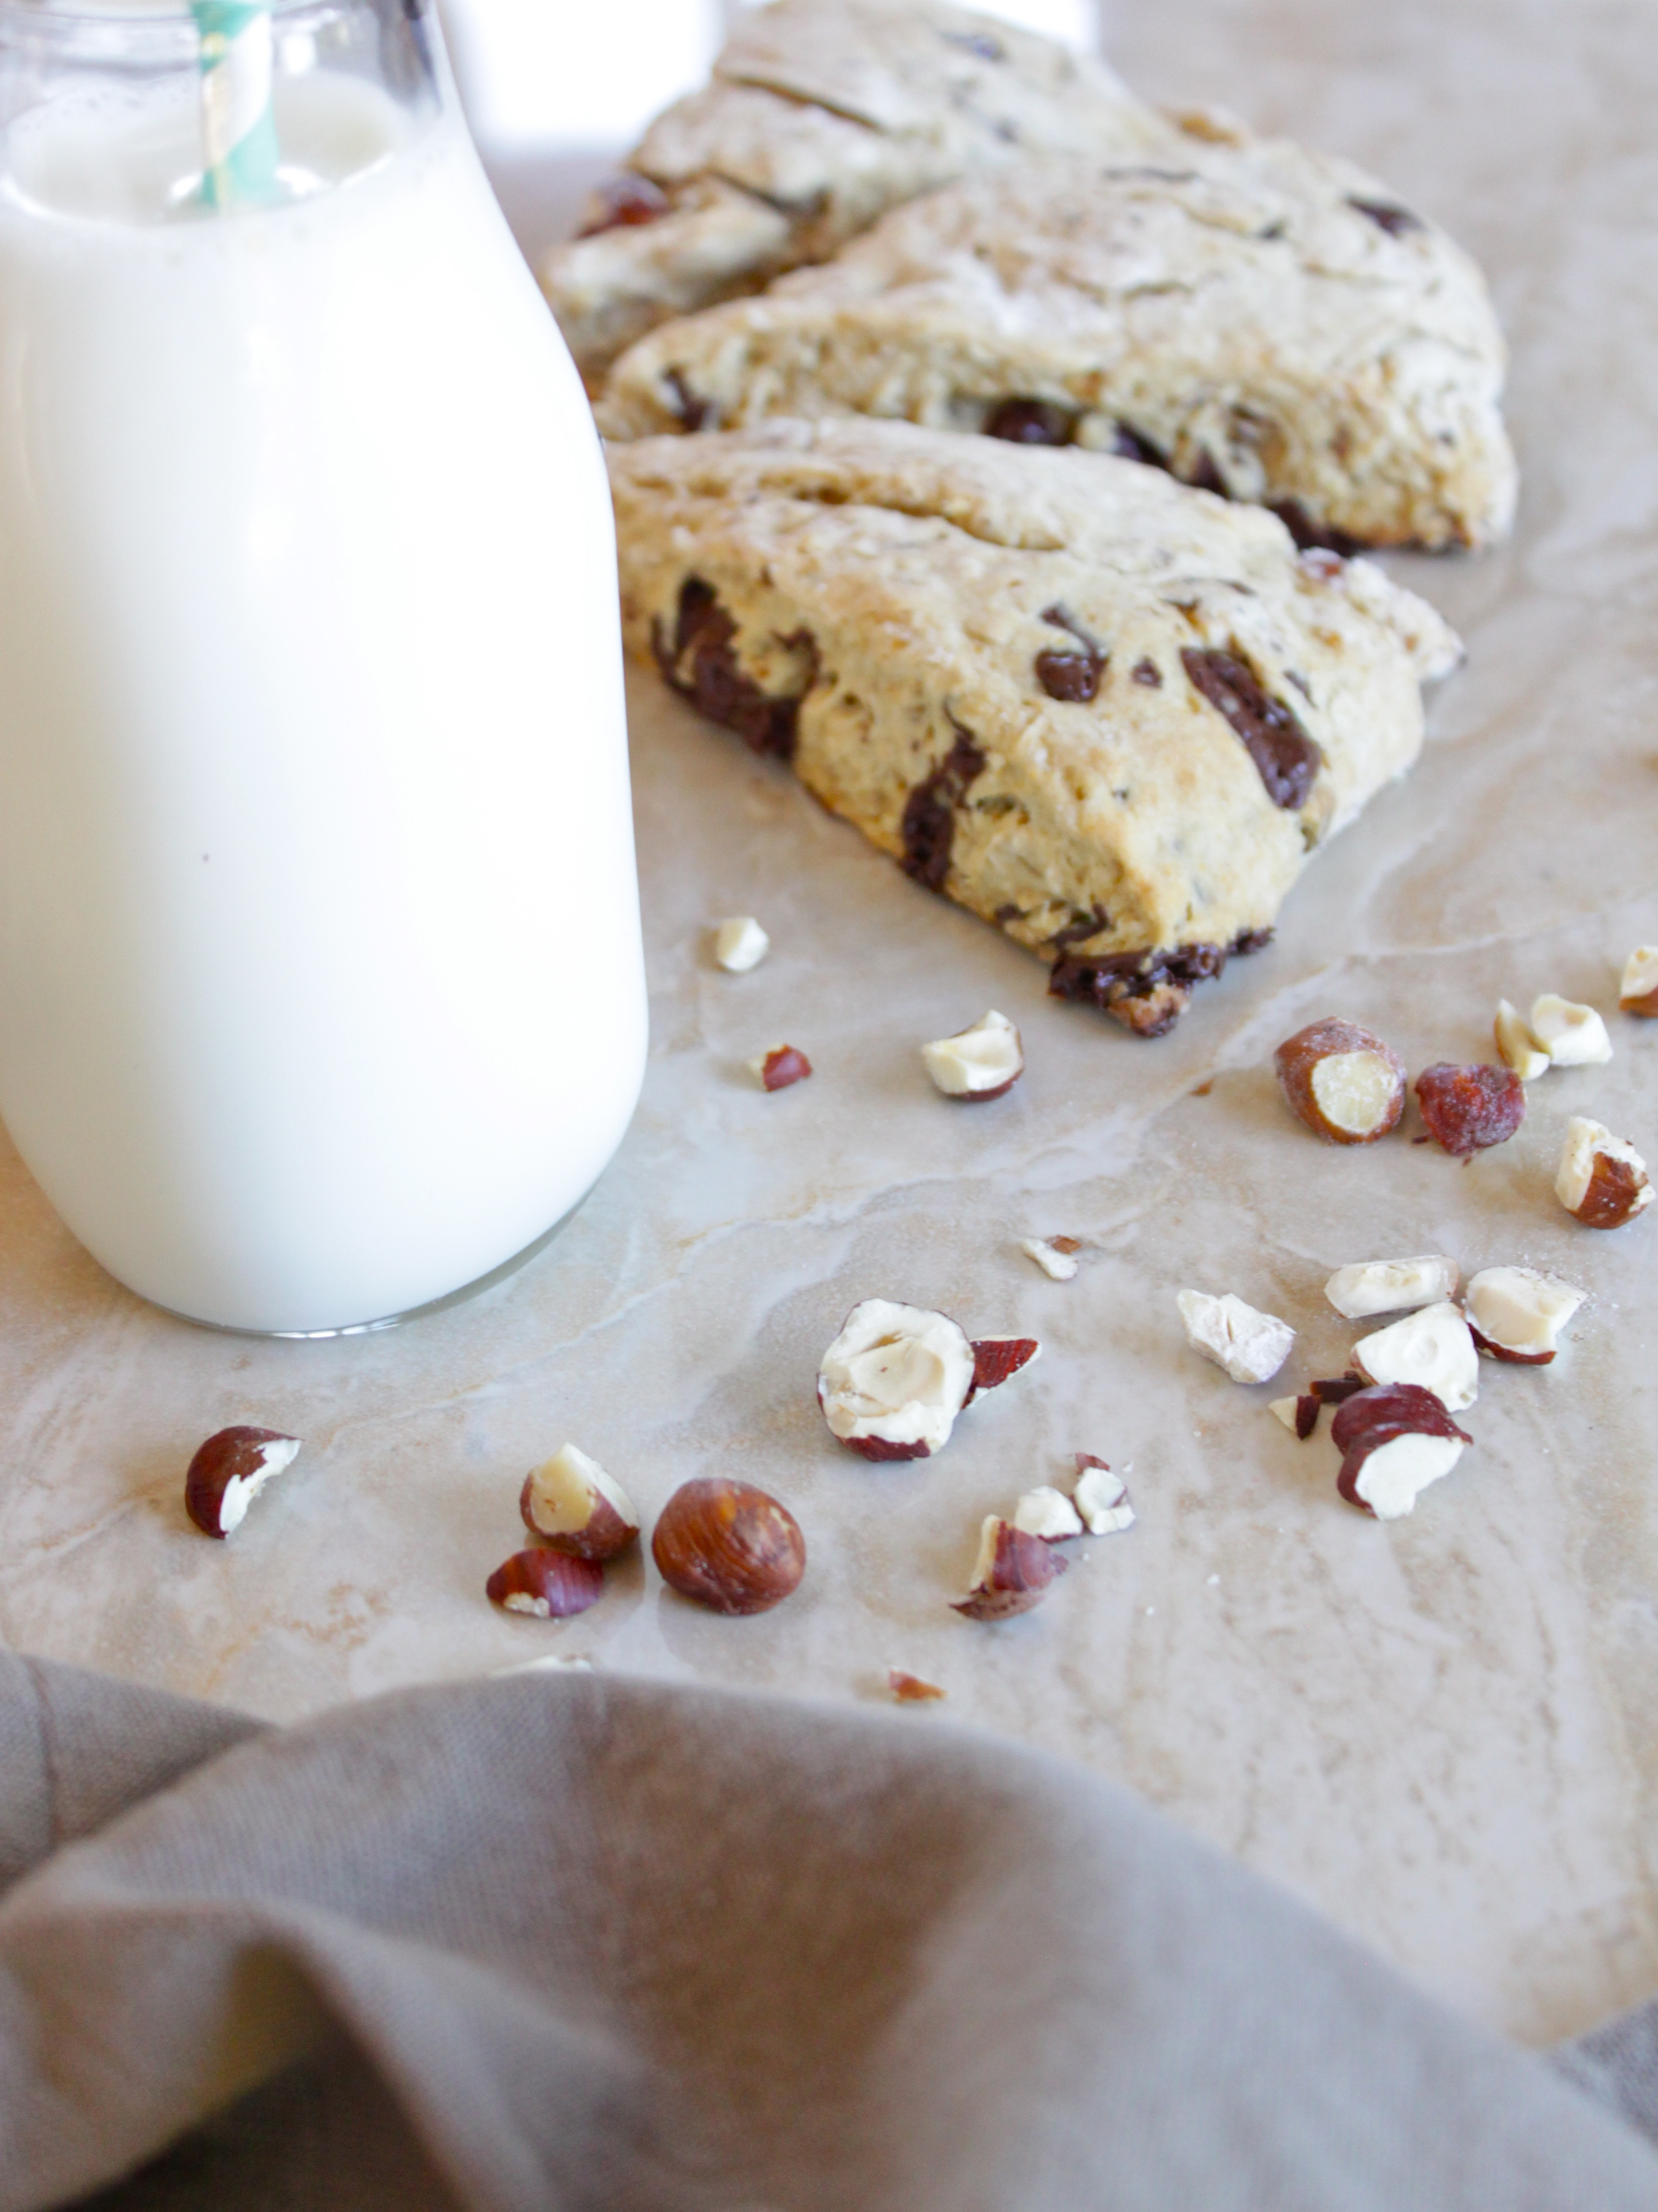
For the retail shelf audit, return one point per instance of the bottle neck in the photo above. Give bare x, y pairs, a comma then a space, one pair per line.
114, 109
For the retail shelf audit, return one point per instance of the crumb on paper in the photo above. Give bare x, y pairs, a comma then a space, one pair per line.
1054, 1255
911, 1689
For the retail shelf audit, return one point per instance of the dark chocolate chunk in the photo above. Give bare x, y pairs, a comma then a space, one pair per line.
626, 201
1074, 677
1286, 756
1148, 672
1312, 536
1128, 444
692, 411
930, 810
1084, 926
1146, 991
1031, 423
1206, 476
714, 681
1395, 221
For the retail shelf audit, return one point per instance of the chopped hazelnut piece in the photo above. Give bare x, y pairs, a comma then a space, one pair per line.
980, 1063
1572, 1035
909, 1689
1101, 1497
1517, 1314
894, 1380
1376, 1286
779, 1066
1517, 1047
1047, 1513
550, 1585
1251, 1346
1342, 1081
740, 944
1284, 1409
1054, 1255
997, 1359
1638, 993
228, 1471
1012, 1573
1394, 1442
1601, 1180
575, 1507
1432, 1348
1468, 1109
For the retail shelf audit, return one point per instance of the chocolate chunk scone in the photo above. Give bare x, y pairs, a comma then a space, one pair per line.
1106, 711
820, 115
1264, 321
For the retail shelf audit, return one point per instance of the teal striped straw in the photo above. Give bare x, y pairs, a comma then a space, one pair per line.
239, 131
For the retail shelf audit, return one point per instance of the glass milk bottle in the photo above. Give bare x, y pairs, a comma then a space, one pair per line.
321, 996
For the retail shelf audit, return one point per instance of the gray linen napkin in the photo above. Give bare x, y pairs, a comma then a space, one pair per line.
613, 1946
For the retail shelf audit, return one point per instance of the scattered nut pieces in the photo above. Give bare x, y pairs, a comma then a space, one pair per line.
894, 1380
552, 1585
1251, 1347
1101, 1497
740, 944
1638, 992
1432, 1348
980, 1063
1375, 1286
1572, 1035
1342, 1081
574, 1505
909, 1689
1601, 1180
1054, 1255
779, 1066
1517, 1314
1393, 1441
997, 1359
728, 1547
1047, 1513
229, 1471
1011, 1574
1468, 1109
1517, 1047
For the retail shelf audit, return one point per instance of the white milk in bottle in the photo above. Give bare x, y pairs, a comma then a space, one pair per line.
320, 987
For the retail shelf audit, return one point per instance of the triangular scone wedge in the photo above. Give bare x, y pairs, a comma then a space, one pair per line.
1106, 711
820, 115
1262, 320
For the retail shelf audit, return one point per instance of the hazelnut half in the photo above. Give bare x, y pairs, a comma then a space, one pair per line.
574, 1505
1376, 1286
728, 1547
1394, 1442
980, 1063
1516, 1313
551, 1585
1432, 1348
1601, 1180
1342, 1081
894, 1380
1638, 992
1251, 1346
1011, 1574
229, 1471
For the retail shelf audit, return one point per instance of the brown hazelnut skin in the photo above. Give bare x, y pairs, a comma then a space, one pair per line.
1613, 1195
1020, 1569
549, 1584
230, 1459
1296, 1062
728, 1546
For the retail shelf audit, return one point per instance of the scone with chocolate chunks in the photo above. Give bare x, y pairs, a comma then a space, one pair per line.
820, 115
1109, 713
1264, 321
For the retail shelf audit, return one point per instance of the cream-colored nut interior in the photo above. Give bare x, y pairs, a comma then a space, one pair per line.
1432, 1348
1354, 1092
1396, 1474
1517, 1046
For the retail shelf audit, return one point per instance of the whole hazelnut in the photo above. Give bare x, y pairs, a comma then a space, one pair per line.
728, 1546
229, 1471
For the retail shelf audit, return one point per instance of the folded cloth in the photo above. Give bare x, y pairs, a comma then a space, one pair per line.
601, 1945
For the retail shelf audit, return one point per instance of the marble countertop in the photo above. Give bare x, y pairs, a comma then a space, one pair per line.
1441, 1731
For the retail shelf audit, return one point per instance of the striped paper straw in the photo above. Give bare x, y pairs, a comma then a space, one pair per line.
239, 131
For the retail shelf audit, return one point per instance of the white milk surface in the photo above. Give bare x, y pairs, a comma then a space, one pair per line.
321, 985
